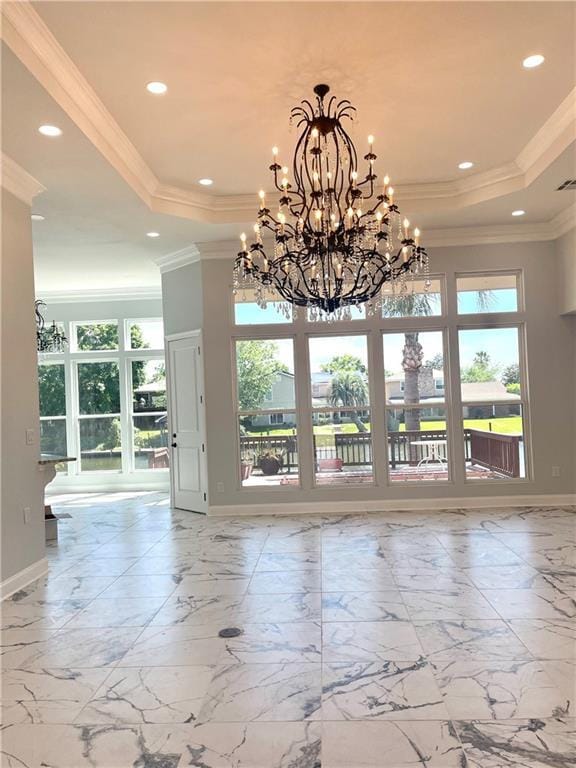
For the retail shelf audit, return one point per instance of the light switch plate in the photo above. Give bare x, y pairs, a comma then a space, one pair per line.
29, 437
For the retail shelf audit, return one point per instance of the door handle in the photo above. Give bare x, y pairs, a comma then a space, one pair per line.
174, 445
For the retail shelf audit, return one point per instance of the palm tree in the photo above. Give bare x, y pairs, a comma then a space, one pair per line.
410, 305
349, 388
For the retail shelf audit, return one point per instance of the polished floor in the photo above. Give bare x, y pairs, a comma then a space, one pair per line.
438, 639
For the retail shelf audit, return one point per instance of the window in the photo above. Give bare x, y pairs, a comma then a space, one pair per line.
52, 390
482, 293
341, 417
96, 336
145, 334
248, 312
103, 399
415, 408
268, 437
413, 298
149, 417
99, 416
491, 375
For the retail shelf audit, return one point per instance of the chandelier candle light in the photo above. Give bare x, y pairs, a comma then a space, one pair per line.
48, 339
338, 238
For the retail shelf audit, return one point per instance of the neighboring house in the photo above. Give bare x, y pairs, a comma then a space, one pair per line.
279, 398
430, 385
151, 396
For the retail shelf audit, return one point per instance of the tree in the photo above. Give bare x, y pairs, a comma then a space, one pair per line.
436, 362
480, 370
511, 375
349, 388
258, 367
410, 305
341, 363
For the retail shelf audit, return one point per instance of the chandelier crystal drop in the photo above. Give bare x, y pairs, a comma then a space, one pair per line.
338, 236
48, 339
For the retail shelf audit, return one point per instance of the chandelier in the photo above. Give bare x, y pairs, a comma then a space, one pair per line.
338, 237
49, 339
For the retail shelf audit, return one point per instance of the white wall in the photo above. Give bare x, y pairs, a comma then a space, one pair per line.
551, 367
22, 544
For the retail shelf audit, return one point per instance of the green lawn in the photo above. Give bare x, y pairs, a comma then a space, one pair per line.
505, 425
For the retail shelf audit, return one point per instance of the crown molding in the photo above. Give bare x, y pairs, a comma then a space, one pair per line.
82, 296
564, 221
17, 181
176, 259
34, 44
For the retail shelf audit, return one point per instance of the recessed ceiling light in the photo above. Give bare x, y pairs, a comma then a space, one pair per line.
465, 165
519, 212
533, 61
50, 130
37, 217
152, 234
157, 88
206, 182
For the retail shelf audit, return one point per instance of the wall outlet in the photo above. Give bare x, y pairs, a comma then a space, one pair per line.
555, 471
220, 487
30, 433
27, 515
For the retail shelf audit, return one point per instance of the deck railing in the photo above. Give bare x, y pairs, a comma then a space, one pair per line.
495, 451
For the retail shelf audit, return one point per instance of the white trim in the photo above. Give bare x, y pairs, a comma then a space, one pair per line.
83, 296
23, 578
181, 258
390, 505
18, 181
109, 482
37, 48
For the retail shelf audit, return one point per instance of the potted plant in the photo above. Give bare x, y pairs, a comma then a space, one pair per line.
271, 461
246, 464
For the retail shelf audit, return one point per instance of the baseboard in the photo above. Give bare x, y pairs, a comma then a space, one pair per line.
390, 505
23, 578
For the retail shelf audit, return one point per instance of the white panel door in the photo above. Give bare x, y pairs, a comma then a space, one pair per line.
187, 422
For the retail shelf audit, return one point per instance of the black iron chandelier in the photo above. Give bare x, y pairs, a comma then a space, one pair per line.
338, 238
48, 339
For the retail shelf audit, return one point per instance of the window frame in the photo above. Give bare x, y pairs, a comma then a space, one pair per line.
520, 293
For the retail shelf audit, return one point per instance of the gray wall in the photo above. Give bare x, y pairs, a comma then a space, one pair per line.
22, 544
550, 356
566, 254
182, 299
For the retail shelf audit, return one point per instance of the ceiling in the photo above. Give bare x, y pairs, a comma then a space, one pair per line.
436, 83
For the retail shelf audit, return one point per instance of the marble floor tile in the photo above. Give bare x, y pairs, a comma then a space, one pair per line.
538, 603
117, 612
391, 690
547, 639
277, 582
266, 692
532, 743
47, 695
159, 585
74, 648
469, 639
288, 561
179, 645
500, 690
364, 580
18, 615
209, 586
148, 695
20, 647
309, 541
562, 673
221, 610
192, 565
460, 603
387, 744
506, 577
370, 641
64, 588
430, 578
96, 566
279, 608
275, 643
363, 606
